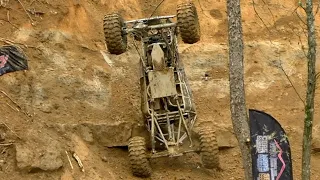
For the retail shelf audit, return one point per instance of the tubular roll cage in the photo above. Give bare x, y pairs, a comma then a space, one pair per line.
156, 121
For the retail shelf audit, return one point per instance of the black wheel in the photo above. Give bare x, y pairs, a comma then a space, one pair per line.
209, 148
115, 38
140, 165
188, 22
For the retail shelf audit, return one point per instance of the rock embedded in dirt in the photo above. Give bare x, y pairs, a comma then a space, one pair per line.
110, 135
316, 139
226, 138
2, 137
85, 133
44, 154
316, 144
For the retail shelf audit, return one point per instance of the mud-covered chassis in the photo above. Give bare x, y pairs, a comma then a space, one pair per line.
166, 99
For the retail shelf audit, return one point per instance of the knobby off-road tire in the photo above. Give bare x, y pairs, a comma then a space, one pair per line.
140, 165
188, 22
115, 39
209, 148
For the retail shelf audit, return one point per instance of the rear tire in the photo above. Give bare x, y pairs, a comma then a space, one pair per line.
188, 22
140, 165
209, 148
115, 38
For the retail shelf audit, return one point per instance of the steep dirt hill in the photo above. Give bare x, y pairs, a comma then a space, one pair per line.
71, 97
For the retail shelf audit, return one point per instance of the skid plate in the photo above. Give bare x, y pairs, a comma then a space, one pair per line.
162, 83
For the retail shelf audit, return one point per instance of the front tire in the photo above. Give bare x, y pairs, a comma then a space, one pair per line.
188, 22
115, 38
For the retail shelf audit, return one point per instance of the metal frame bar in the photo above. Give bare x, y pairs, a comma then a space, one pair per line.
149, 19
191, 126
146, 28
152, 132
164, 154
168, 120
161, 134
185, 124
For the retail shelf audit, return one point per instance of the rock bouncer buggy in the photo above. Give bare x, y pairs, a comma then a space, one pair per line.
166, 99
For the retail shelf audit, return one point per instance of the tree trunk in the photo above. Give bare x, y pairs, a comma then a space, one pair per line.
236, 78
311, 85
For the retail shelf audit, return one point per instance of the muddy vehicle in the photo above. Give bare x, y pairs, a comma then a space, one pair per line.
166, 98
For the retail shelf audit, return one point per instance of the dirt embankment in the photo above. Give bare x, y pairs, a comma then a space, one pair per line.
70, 96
